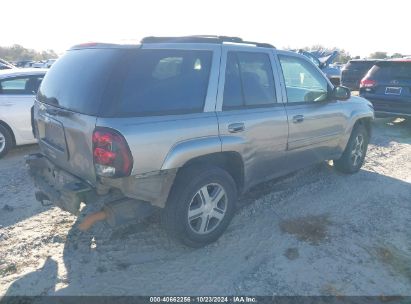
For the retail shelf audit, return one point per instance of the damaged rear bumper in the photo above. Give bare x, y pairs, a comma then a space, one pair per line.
58, 186
67, 191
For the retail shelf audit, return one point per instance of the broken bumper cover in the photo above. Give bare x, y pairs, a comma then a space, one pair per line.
58, 186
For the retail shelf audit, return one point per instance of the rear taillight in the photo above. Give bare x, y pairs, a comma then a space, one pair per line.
111, 154
367, 83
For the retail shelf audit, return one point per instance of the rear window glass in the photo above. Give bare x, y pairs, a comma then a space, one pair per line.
391, 70
78, 79
160, 82
361, 65
128, 82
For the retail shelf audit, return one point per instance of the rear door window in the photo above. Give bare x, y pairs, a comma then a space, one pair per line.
249, 81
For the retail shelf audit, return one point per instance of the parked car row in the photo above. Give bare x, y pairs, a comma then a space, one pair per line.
386, 83
354, 71
35, 64
388, 86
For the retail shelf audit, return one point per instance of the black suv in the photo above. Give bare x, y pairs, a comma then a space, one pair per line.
354, 71
388, 86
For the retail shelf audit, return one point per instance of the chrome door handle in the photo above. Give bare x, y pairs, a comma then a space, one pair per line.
298, 118
236, 127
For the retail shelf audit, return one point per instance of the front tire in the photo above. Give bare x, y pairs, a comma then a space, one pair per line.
354, 154
201, 205
6, 141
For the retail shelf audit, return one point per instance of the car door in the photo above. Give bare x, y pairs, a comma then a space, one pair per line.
16, 99
316, 122
252, 119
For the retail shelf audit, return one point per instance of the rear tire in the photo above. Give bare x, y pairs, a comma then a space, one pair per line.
201, 205
6, 141
354, 154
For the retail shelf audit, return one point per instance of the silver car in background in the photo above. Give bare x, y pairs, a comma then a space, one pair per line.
18, 88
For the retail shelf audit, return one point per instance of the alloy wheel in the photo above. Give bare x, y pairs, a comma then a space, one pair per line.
2, 142
358, 150
207, 208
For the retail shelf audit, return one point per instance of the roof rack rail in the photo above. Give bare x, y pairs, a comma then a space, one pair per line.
202, 39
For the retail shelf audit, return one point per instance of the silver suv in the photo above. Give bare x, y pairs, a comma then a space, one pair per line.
186, 125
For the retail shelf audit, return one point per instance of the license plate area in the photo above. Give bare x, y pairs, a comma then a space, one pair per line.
393, 90
52, 133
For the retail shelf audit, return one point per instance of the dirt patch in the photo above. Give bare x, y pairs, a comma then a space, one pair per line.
292, 254
312, 228
331, 290
397, 260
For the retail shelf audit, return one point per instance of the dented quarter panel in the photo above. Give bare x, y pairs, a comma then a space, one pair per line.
152, 138
187, 150
153, 187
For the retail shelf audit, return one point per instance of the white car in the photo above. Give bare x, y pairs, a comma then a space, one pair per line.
49, 63
18, 88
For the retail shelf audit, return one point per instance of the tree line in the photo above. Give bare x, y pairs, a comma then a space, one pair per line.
344, 56
17, 52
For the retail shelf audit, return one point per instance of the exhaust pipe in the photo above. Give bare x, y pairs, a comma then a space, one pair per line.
124, 211
119, 213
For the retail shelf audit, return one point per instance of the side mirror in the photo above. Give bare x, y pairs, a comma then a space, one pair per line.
341, 93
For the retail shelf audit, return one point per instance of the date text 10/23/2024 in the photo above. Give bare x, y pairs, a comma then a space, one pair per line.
204, 299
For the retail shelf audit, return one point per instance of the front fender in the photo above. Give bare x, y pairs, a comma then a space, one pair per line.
365, 111
357, 115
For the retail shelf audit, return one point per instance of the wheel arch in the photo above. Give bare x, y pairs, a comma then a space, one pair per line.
366, 122
5, 125
363, 118
229, 161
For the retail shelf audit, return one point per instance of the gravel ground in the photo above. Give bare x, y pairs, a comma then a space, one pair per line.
315, 232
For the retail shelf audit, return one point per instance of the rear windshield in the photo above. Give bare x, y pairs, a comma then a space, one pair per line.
391, 70
128, 82
77, 80
360, 65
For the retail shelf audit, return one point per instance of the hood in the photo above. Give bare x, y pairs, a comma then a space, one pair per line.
325, 57
321, 58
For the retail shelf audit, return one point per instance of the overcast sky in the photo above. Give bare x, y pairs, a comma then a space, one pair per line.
359, 26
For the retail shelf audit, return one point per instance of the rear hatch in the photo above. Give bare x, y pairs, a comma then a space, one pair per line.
392, 88
354, 71
68, 104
